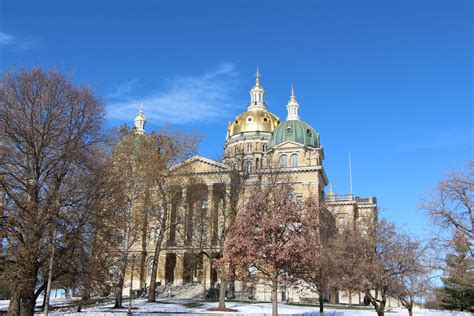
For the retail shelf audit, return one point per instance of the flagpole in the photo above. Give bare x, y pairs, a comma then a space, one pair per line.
350, 172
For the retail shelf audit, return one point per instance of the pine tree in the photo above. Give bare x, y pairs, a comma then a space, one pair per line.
458, 290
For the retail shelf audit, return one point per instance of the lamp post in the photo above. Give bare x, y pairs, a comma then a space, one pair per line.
131, 288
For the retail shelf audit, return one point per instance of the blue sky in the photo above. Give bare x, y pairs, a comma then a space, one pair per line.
390, 81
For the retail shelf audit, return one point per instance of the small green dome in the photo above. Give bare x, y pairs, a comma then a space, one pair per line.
295, 131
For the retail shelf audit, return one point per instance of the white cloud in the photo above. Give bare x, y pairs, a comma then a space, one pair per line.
20, 43
186, 99
122, 90
6, 39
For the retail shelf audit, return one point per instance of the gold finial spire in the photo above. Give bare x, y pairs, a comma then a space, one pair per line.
256, 94
141, 107
331, 193
257, 78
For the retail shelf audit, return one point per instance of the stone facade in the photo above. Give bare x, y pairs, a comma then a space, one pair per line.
257, 142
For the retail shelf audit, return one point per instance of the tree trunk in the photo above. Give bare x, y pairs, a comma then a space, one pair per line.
143, 266
381, 307
156, 256
14, 307
321, 304
39, 291
118, 295
222, 288
350, 298
28, 303
47, 292
410, 311
275, 298
144, 242
28, 299
154, 271
120, 283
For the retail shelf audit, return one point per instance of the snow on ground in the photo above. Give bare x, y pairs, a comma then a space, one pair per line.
170, 307
141, 307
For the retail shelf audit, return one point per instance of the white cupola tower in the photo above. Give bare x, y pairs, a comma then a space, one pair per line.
140, 121
292, 107
256, 95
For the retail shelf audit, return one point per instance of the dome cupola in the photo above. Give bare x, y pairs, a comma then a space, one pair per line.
294, 129
140, 121
257, 118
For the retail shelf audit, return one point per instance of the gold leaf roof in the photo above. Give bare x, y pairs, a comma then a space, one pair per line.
253, 120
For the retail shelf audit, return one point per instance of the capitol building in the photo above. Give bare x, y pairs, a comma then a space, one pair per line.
257, 142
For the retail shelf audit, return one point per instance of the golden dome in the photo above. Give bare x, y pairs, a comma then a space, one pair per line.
254, 120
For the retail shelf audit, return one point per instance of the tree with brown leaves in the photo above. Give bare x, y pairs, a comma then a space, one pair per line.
49, 131
268, 237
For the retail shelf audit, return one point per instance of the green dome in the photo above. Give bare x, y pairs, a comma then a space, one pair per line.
295, 131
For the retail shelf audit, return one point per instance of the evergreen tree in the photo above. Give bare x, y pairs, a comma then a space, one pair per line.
458, 290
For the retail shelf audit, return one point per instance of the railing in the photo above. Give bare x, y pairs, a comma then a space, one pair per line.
350, 197
369, 200
339, 197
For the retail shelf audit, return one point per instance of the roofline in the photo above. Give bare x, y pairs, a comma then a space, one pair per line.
203, 159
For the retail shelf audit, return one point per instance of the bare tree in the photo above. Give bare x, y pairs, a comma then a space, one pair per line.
451, 204
165, 149
234, 184
414, 281
319, 267
386, 258
48, 132
124, 161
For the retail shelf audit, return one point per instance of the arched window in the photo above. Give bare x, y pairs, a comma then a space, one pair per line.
283, 161
264, 147
249, 148
249, 167
236, 149
294, 160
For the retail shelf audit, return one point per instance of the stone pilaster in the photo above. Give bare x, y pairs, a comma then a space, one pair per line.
210, 213
161, 268
178, 270
225, 213
181, 217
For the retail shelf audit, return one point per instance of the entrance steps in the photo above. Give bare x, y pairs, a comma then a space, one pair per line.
186, 291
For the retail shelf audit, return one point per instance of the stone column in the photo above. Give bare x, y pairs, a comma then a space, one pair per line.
206, 265
178, 270
225, 213
161, 268
181, 215
210, 213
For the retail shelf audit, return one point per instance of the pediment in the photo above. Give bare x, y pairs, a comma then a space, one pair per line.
288, 144
199, 164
